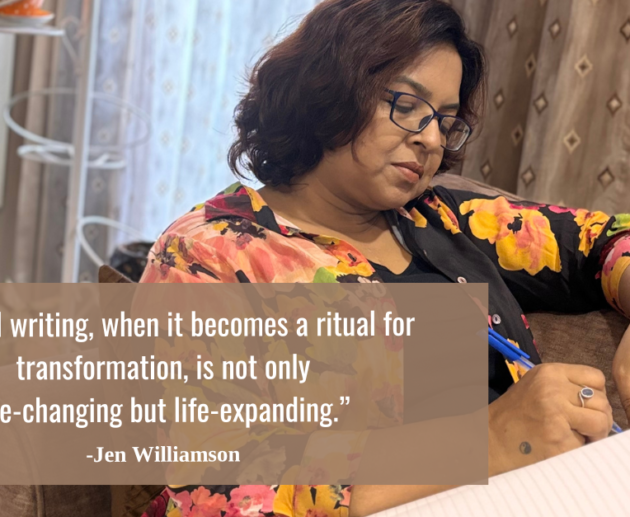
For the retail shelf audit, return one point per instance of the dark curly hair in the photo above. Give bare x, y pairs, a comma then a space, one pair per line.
318, 89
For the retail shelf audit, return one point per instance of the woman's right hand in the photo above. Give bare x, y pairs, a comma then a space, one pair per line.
541, 416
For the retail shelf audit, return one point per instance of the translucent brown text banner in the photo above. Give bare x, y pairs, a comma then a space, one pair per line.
243, 384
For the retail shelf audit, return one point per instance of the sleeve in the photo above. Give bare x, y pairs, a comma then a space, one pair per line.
189, 256
615, 265
550, 257
190, 253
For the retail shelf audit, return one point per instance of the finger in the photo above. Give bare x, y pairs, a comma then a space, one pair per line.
579, 439
599, 400
625, 402
569, 443
623, 388
590, 423
585, 376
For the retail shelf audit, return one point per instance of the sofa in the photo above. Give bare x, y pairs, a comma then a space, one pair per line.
579, 338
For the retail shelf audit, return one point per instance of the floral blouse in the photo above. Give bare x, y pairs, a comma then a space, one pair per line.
533, 256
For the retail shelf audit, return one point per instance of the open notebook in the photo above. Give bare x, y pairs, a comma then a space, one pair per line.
591, 481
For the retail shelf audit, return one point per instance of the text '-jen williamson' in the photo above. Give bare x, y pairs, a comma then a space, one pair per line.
166, 454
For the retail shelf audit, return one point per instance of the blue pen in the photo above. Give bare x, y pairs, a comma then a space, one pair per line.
509, 353
500, 338
515, 354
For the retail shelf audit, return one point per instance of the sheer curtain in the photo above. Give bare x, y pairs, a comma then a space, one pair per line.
184, 63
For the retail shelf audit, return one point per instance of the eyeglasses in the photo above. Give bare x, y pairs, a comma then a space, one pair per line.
414, 114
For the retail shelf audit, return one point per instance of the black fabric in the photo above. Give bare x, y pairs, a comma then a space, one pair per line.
419, 271
131, 259
534, 257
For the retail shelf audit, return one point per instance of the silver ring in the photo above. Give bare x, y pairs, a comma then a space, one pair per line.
586, 393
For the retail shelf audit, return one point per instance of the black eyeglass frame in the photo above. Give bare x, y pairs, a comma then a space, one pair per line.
436, 115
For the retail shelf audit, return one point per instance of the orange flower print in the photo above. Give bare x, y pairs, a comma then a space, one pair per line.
250, 501
614, 267
177, 250
207, 504
350, 261
418, 219
523, 237
447, 216
591, 226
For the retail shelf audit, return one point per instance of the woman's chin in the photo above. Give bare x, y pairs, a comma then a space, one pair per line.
391, 199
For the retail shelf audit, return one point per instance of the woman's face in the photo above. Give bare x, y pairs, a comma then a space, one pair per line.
374, 181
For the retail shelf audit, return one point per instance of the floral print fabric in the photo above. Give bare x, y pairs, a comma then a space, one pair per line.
615, 265
533, 256
521, 235
251, 501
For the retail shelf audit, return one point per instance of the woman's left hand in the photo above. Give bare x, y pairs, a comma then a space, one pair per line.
621, 371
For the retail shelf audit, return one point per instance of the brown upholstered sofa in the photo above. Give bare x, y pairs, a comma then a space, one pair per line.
581, 339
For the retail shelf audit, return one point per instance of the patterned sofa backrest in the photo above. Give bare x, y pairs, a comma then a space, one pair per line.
461, 183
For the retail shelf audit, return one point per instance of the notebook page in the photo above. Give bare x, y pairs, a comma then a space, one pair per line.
592, 481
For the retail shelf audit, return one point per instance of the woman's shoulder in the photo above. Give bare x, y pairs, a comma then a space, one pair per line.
224, 216
205, 240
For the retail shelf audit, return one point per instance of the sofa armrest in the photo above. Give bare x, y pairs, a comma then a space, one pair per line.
55, 500
589, 339
43, 500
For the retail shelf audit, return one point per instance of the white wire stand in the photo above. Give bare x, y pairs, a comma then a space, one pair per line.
103, 221
44, 30
33, 31
79, 155
48, 151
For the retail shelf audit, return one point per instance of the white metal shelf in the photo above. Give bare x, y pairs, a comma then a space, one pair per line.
80, 155
110, 223
32, 31
46, 150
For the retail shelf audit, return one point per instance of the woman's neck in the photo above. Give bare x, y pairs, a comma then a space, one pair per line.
315, 208
321, 211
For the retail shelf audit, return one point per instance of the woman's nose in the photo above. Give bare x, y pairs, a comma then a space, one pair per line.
430, 137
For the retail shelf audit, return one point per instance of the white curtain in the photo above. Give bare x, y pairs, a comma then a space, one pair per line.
184, 63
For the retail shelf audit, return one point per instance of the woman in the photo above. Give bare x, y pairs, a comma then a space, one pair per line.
345, 123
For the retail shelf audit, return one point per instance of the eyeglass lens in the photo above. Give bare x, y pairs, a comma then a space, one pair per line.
414, 114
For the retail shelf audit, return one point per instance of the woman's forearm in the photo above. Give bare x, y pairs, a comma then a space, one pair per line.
369, 499
380, 457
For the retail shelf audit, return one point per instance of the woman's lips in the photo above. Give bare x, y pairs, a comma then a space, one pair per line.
411, 171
